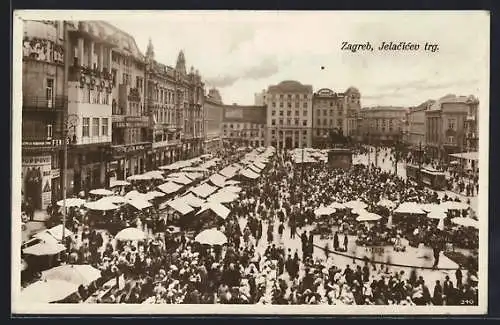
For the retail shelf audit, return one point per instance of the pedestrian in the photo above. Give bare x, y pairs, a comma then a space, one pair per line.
459, 276
437, 298
336, 241
281, 228
346, 242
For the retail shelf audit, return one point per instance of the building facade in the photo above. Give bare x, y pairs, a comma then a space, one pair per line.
335, 111
90, 87
244, 125
213, 114
472, 126
175, 102
383, 124
260, 98
447, 125
416, 124
131, 140
289, 115
43, 103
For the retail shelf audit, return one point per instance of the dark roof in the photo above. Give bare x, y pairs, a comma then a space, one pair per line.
290, 86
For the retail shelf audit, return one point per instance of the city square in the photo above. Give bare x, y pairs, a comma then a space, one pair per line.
142, 185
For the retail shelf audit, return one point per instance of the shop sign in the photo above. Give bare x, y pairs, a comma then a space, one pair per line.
126, 149
55, 173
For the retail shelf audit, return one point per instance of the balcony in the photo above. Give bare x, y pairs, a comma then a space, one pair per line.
44, 104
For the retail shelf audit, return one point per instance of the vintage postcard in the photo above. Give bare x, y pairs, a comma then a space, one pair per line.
250, 162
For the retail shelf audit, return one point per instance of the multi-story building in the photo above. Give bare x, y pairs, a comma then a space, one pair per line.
175, 100
383, 124
260, 98
131, 140
90, 87
44, 102
334, 111
447, 125
416, 126
471, 126
244, 125
213, 115
289, 115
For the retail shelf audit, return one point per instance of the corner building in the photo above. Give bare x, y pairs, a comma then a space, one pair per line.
174, 99
289, 115
43, 104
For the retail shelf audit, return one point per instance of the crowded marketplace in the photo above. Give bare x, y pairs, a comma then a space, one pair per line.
258, 226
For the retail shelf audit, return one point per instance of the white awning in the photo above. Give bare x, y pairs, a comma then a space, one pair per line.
259, 164
466, 155
180, 206
203, 190
217, 180
192, 200
169, 187
194, 176
217, 208
229, 172
223, 197
184, 180
254, 169
249, 174
139, 203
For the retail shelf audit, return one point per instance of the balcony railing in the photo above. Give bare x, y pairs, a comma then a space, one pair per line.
42, 103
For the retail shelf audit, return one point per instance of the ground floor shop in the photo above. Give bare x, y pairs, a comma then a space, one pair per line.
129, 159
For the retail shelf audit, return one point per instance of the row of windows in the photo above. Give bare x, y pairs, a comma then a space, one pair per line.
243, 134
98, 124
289, 96
304, 132
92, 96
288, 113
325, 112
289, 122
243, 126
289, 105
325, 122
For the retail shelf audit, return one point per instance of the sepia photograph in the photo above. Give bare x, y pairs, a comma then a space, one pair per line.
250, 162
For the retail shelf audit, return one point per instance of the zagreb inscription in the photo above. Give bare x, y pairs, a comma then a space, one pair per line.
389, 46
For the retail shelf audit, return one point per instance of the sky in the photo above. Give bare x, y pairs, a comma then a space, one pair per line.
242, 53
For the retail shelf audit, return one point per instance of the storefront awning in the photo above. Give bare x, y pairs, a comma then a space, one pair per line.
466, 155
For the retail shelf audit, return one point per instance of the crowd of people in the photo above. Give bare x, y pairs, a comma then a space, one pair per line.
257, 265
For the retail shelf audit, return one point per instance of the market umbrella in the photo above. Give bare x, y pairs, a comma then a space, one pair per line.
118, 183
47, 291
368, 216
452, 205
324, 211
133, 194
387, 204
77, 274
223, 197
44, 248
154, 194
114, 199
428, 207
131, 234
101, 205
169, 187
466, 222
71, 202
356, 205
58, 230
139, 177
154, 174
232, 182
437, 213
101, 191
337, 206
409, 208
232, 189
211, 237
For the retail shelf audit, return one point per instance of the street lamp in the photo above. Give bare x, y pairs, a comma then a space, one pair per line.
70, 123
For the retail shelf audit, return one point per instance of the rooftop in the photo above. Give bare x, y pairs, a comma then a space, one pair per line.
290, 86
